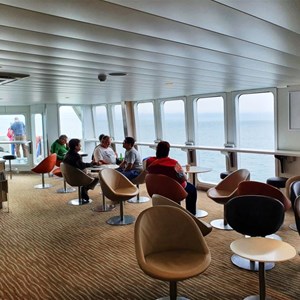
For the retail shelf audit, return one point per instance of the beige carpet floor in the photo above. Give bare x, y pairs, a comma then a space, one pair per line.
51, 250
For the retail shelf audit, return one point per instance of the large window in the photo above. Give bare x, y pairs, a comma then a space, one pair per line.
210, 132
256, 131
101, 120
19, 134
70, 118
174, 127
118, 127
145, 127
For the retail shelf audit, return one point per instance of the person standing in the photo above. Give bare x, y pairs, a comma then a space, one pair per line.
131, 166
19, 129
60, 147
74, 159
163, 164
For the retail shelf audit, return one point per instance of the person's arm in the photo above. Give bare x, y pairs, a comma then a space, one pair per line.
180, 173
98, 158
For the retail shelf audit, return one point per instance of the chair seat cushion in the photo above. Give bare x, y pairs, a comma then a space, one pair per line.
176, 265
9, 157
278, 182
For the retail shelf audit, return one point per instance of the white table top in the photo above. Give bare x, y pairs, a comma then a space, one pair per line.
196, 169
263, 249
101, 167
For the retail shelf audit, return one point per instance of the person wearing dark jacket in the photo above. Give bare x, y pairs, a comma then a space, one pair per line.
74, 159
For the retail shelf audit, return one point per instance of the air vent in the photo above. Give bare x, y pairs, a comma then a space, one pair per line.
10, 77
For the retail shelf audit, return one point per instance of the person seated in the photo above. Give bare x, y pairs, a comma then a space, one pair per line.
163, 164
131, 166
103, 153
60, 147
74, 159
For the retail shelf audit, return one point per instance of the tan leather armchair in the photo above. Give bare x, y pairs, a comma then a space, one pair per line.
140, 179
45, 166
76, 177
161, 200
169, 245
116, 187
226, 190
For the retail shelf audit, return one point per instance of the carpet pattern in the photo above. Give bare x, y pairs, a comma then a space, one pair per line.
51, 250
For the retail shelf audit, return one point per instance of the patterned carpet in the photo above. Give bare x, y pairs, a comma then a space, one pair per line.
51, 250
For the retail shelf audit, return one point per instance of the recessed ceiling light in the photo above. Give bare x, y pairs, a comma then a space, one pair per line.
117, 74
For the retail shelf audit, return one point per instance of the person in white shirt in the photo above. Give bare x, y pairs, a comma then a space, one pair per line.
103, 153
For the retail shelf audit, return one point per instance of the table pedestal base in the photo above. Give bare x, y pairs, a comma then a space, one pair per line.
219, 224
256, 297
247, 264
201, 213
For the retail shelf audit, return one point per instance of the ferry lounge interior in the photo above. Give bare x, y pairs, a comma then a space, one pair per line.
88, 53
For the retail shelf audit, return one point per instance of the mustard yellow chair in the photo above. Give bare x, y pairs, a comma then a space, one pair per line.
76, 177
45, 166
64, 190
226, 190
116, 187
169, 246
140, 179
161, 200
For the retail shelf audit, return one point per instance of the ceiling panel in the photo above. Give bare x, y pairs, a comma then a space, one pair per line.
167, 48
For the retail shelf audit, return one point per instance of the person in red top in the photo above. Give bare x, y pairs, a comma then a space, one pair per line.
163, 164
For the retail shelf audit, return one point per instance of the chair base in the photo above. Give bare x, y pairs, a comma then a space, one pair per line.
127, 219
256, 297
219, 224
78, 202
45, 186
245, 264
104, 208
293, 227
141, 199
177, 298
274, 237
201, 213
65, 191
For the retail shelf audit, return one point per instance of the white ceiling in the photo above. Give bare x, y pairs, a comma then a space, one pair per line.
168, 48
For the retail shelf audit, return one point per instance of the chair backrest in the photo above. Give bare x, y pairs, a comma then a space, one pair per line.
297, 213
115, 186
254, 215
161, 229
140, 179
46, 165
263, 189
161, 200
75, 176
295, 190
165, 186
288, 186
232, 180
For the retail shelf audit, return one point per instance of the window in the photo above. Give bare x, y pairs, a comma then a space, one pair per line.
70, 121
118, 127
145, 127
210, 132
101, 121
256, 131
174, 127
39, 139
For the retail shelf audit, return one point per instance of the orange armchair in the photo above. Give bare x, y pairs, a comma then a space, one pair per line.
165, 186
45, 166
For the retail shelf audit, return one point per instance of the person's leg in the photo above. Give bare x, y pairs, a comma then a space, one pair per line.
17, 147
191, 198
130, 174
24, 147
